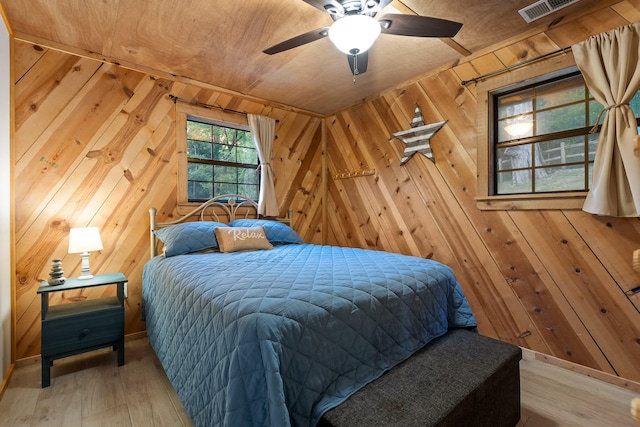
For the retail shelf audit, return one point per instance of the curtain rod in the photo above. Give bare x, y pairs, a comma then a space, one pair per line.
510, 67
202, 104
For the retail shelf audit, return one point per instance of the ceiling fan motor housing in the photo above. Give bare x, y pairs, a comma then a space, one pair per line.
340, 8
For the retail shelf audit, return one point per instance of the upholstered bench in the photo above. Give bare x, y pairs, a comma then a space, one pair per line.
459, 379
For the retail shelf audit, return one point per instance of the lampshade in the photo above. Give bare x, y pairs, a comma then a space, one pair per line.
84, 240
354, 34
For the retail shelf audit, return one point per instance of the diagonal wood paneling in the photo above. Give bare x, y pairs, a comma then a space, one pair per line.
95, 146
552, 281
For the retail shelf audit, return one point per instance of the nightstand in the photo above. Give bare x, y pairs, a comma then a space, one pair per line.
77, 327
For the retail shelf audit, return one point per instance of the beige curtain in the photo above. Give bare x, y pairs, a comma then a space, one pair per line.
609, 64
263, 131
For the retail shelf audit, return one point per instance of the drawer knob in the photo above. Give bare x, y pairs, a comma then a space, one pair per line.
84, 333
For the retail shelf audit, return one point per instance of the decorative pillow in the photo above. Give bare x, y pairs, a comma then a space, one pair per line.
188, 237
233, 239
277, 232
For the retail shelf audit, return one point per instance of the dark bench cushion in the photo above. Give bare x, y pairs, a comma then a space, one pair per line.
459, 379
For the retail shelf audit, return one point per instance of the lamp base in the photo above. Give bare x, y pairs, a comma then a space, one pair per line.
85, 271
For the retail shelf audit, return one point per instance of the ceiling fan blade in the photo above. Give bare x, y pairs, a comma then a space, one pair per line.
300, 40
418, 26
360, 61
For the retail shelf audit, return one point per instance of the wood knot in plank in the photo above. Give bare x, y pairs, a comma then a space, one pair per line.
60, 224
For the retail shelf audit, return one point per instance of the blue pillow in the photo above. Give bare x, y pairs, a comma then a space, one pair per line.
188, 237
277, 232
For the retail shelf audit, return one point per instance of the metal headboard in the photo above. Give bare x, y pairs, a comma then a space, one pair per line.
224, 208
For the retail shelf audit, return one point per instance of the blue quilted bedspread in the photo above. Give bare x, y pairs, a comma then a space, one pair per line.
278, 337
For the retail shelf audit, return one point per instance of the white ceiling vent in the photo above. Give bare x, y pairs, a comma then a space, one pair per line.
543, 8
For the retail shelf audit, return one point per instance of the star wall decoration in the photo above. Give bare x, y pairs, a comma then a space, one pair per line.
418, 137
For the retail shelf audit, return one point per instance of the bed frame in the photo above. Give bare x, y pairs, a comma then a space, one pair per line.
224, 208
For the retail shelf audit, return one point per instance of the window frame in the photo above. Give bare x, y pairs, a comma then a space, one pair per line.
532, 73
583, 132
208, 115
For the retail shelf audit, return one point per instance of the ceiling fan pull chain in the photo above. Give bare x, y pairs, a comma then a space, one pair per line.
355, 67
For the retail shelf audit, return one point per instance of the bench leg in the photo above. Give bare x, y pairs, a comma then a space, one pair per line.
120, 353
46, 371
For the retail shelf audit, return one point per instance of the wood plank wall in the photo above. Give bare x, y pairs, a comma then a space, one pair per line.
95, 145
550, 280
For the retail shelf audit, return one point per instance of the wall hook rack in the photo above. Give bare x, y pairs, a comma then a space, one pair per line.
354, 173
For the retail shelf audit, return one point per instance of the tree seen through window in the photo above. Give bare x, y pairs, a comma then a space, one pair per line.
220, 160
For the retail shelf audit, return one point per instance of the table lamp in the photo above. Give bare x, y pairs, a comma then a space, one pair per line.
82, 241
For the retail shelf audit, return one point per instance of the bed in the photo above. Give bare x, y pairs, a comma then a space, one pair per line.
278, 335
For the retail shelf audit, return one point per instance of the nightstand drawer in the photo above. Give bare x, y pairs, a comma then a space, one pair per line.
69, 333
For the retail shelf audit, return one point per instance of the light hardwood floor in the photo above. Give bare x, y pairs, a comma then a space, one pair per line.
90, 390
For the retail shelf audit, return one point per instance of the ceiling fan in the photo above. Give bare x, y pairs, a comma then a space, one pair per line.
355, 30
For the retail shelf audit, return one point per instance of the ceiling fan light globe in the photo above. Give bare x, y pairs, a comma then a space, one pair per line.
354, 33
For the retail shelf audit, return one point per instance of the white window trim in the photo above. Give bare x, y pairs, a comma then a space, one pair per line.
541, 70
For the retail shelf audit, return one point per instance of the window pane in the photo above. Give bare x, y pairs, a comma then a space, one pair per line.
560, 92
198, 131
224, 153
245, 139
226, 174
559, 119
515, 128
514, 182
561, 151
199, 179
198, 150
515, 104
594, 111
563, 178
199, 172
635, 104
248, 190
247, 176
247, 155
515, 157
223, 135
226, 188
200, 190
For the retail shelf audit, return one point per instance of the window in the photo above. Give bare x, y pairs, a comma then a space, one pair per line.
541, 137
535, 151
216, 155
220, 160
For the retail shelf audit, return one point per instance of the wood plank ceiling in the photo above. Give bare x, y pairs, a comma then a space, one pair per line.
220, 42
